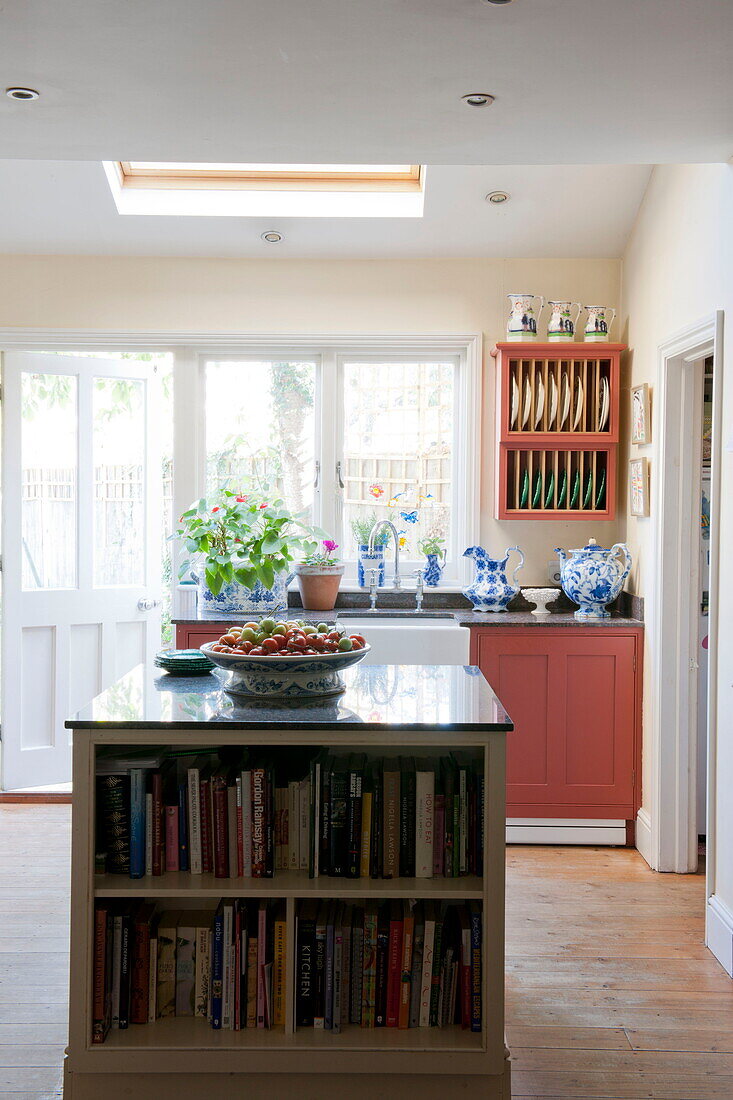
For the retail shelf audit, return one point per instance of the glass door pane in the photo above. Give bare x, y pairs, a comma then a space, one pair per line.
118, 409
50, 464
260, 428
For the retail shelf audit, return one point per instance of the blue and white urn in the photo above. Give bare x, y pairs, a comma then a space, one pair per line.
592, 577
491, 590
433, 571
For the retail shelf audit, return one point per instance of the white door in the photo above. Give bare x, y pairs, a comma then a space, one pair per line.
81, 541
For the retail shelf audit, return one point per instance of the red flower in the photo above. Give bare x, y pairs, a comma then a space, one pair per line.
217, 509
263, 506
241, 500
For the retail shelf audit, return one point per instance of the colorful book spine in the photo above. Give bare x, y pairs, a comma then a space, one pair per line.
394, 963
279, 969
357, 966
338, 962
139, 994
380, 1008
125, 971
476, 973
247, 824
439, 838
252, 950
158, 835
304, 791
329, 969
367, 799
305, 966
220, 837
113, 802
116, 967
417, 961
407, 817
354, 801
293, 861
369, 968
207, 825
425, 821
391, 817
319, 1006
194, 821
172, 846
137, 823
426, 981
408, 932
183, 854
217, 969
149, 833
259, 799
153, 977
101, 1006
202, 971
166, 988
186, 966
227, 995
261, 963
238, 829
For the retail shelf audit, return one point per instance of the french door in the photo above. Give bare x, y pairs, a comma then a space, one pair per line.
81, 540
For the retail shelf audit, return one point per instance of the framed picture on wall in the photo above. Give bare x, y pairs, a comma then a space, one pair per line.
640, 423
639, 486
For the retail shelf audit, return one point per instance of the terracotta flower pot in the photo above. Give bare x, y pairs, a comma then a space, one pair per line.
319, 585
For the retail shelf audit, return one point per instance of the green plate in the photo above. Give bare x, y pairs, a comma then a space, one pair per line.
588, 490
537, 490
576, 490
601, 490
525, 490
563, 489
550, 490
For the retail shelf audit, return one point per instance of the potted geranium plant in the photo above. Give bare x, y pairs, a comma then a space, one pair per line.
432, 546
361, 529
242, 549
319, 576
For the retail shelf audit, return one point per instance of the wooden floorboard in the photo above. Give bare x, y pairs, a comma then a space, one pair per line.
611, 994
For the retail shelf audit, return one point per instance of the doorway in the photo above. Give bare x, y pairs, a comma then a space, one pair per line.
82, 523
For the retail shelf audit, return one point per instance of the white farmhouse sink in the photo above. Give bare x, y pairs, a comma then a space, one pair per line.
411, 641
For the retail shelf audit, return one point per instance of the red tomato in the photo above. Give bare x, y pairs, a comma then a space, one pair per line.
318, 644
298, 642
246, 647
310, 652
217, 648
228, 639
334, 636
257, 651
269, 645
331, 647
356, 644
359, 638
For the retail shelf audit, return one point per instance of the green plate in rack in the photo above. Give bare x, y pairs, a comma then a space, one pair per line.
576, 490
588, 490
601, 490
525, 490
563, 489
550, 490
537, 494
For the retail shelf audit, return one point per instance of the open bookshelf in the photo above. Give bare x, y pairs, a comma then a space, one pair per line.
182, 1056
557, 430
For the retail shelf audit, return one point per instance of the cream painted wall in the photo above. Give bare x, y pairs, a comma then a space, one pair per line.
678, 269
289, 297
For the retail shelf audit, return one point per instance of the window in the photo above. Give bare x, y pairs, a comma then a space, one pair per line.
351, 435
267, 190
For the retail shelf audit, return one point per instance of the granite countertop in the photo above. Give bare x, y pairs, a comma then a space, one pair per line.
377, 697
464, 616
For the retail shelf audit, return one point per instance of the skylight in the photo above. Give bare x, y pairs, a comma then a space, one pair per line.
265, 190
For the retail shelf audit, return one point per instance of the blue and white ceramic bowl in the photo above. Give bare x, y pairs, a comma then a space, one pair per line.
291, 676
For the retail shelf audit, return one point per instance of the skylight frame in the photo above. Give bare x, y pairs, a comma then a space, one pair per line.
150, 175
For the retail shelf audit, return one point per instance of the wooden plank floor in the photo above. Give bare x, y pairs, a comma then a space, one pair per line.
610, 991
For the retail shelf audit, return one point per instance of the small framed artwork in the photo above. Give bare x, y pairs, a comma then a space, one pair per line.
639, 486
640, 424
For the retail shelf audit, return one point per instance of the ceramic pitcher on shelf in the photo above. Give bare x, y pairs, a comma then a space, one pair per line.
491, 590
561, 326
522, 323
593, 576
597, 325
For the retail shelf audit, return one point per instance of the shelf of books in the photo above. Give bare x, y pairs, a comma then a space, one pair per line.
316, 900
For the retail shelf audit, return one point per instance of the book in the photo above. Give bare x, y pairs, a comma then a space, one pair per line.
149, 833
338, 966
357, 964
252, 949
113, 821
324, 835
424, 818
465, 967
269, 821
153, 972
116, 967
293, 851
137, 823
207, 820
202, 967
417, 962
166, 985
279, 967
305, 988
369, 965
172, 838
125, 969
391, 820
217, 968
408, 931
437, 966
156, 789
220, 837
337, 826
183, 856
449, 791
194, 819
192, 926
329, 967
140, 980
247, 823
439, 834
366, 833
319, 1006
232, 839
259, 803
227, 987
426, 981
101, 983
407, 817
394, 962
238, 827
354, 809
476, 973
304, 795
262, 962
380, 1009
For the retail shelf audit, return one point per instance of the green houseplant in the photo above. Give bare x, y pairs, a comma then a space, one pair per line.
319, 576
433, 547
242, 549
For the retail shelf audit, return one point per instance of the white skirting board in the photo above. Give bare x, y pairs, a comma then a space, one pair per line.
719, 932
537, 830
644, 836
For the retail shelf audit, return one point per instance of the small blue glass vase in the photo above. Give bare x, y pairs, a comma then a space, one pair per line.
433, 571
365, 562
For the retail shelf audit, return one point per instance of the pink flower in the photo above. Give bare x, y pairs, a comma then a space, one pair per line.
216, 509
263, 506
330, 545
376, 490
241, 500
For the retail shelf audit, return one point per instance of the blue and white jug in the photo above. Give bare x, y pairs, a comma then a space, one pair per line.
491, 591
593, 577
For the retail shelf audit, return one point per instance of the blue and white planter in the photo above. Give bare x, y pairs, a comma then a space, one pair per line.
236, 598
491, 590
365, 562
433, 571
592, 577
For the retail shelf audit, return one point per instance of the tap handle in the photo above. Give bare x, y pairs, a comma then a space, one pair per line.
420, 580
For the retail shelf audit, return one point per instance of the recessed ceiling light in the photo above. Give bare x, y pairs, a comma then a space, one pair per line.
478, 99
272, 236
23, 94
497, 197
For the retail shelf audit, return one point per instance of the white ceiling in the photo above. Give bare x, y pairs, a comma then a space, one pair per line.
573, 211
375, 81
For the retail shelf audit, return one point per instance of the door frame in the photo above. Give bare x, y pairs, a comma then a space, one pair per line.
667, 830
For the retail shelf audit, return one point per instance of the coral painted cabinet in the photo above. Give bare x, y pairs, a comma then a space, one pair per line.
573, 694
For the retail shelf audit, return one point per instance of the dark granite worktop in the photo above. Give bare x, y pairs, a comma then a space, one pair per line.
377, 697
464, 617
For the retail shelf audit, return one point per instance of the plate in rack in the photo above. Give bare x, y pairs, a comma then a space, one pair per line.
601, 487
540, 401
527, 402
515, 403
563, 489
605, 404
553, 402
578, 403
565, 404
550, 490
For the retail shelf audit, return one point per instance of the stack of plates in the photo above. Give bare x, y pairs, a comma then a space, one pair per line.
183, 662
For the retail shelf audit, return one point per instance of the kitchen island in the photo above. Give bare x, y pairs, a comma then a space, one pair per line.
390, 714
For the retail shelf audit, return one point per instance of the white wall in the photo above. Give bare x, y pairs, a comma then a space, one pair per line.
284, 297
678, 269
